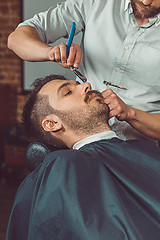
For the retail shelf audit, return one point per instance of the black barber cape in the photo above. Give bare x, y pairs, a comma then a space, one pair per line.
107, 190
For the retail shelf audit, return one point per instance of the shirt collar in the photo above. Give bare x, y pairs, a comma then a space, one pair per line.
94, 138
127, 2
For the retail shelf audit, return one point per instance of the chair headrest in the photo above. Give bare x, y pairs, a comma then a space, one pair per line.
35, 154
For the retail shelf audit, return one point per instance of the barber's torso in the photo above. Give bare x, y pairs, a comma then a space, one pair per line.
123, 53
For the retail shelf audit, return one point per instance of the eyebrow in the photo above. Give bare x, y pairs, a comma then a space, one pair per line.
64, 85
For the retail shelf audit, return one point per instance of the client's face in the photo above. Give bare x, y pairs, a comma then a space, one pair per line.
77, 105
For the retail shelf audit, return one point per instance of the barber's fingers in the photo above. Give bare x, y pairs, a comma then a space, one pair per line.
71, 55
58, 54
117, 107
74, 56
114, 106
108, 93
63, 56
115, 110
78, 56
110, 98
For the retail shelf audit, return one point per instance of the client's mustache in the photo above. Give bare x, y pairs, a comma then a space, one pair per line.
89, 93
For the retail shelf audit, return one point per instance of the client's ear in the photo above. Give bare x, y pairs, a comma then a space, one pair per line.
52, 123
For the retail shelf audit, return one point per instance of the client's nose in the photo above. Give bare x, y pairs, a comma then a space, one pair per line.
85, 87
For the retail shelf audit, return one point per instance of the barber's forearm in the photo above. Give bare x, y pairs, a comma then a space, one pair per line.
26, 43
146, 123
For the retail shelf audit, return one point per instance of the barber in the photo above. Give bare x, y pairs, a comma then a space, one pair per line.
120, 44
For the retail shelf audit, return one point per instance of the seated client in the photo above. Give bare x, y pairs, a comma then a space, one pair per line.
99, 187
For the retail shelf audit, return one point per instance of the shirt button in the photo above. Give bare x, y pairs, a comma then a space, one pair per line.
118, 69
134, 26
126, 48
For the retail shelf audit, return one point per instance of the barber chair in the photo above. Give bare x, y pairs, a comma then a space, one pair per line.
35, 154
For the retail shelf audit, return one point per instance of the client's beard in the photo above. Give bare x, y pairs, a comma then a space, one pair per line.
87, 119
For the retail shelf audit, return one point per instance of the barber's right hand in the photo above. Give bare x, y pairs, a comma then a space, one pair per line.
58, 54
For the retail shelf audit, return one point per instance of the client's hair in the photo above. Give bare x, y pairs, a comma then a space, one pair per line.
35, 109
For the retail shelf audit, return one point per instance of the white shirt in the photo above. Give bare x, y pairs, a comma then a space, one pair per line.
114, 48
96, 137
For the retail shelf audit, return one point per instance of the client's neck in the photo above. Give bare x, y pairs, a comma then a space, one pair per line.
74, 137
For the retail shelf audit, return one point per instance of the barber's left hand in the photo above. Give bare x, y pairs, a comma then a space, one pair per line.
118, 108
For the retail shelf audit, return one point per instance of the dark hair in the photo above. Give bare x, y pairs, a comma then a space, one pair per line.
37, 107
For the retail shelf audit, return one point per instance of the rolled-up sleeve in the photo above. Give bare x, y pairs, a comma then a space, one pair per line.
56, 21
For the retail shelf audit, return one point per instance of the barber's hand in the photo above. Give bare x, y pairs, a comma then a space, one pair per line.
58, 54
118, 108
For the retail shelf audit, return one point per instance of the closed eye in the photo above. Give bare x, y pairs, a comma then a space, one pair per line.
68, 93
